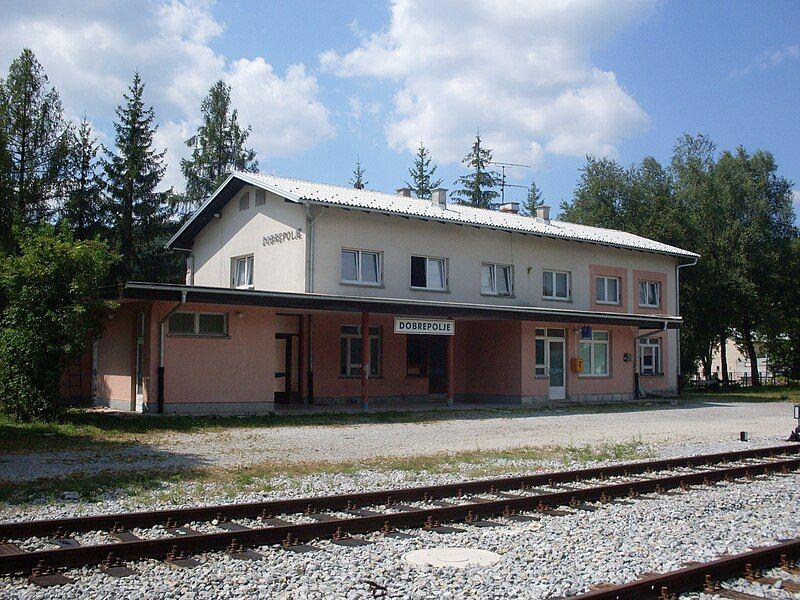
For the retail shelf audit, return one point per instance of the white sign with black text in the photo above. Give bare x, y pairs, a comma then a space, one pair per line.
424, 326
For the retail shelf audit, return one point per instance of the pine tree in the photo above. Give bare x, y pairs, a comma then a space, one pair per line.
533, 199
357, 180
141, 216
422, 182
36, 139
218, 147
83, 206
476, 188
8, 212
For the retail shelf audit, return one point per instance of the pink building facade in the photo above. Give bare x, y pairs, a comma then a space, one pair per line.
292, 286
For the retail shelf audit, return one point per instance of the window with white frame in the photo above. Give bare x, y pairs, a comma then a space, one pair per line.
555, 285
650, 293
650, 356
595, 352
198, 324
242, 272
607, 290
350, 356
361, 267
428, 273
497, 280
540, 355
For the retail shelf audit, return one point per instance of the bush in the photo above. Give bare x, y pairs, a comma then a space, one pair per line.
51, 310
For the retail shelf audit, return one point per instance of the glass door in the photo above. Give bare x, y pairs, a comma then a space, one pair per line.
556, 353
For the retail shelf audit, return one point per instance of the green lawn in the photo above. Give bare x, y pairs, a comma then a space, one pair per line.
766, 393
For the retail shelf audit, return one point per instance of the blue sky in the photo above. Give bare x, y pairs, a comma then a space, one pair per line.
547, 83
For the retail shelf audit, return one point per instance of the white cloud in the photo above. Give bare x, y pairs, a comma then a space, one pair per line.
771, 59
519, 71
91, 50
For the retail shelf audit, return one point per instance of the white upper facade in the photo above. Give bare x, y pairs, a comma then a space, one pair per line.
272, 233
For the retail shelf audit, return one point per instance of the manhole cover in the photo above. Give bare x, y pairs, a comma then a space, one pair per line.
452, 557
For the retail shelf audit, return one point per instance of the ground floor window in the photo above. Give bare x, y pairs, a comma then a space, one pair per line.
199, 324
650, 356
350, 359
594, 352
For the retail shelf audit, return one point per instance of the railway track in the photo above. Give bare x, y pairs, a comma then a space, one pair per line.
238, 527
708, 577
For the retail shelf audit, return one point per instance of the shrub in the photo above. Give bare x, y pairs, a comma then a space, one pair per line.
52, 309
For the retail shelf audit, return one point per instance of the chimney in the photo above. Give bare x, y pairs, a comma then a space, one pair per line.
404, 191
509, 207
439, 197
543, 213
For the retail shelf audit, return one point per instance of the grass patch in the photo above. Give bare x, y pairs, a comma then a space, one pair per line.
764, 393
232, 481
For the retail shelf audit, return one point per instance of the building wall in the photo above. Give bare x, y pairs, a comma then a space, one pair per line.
234, 374
278, 266
115, 359
466, 248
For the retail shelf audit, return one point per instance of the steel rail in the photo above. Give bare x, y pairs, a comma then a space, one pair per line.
50, 527
695, 577
160, 548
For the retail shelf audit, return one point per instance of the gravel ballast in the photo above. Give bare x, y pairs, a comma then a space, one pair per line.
550, 557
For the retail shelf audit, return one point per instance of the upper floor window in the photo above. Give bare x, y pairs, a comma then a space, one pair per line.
350, 357
555, 285
261, 197
650, 356
497, 280
244, 201
594, 352
607, 290
243, 272
428, 273
199, 324
649, 293
361, 267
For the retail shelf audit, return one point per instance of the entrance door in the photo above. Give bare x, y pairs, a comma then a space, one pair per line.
555, 360
139, 382
437, 369
287, 372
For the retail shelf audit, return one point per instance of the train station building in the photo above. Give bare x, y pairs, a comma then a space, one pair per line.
299, 293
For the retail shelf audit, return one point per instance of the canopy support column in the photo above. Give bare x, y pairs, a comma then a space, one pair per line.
451, 365
365, 360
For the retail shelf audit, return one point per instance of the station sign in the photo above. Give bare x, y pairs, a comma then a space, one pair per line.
424, 326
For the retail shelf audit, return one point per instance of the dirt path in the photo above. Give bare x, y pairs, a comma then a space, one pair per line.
687, 424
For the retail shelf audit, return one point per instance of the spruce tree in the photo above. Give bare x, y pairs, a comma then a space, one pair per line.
141, 217
8, 211
357, 180
36, 140
218, 147
533, 199
83, 207
422, 173
476, 188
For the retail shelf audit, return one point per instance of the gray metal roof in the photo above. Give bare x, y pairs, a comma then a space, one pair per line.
298, 190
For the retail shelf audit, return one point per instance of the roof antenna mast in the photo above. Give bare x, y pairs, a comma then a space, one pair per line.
503, 184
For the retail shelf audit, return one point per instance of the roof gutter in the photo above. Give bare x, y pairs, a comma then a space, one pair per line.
678, 268
162, 335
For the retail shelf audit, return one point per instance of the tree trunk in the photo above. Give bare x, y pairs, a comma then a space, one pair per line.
750, 347
723, 358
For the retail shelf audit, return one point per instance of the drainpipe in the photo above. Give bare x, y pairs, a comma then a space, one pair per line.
636, 388
678, 312
310, 243
161, 342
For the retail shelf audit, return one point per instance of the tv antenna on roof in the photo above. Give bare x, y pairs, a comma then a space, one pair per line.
503, 183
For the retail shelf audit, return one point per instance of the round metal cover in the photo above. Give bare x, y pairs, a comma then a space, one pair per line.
452, 557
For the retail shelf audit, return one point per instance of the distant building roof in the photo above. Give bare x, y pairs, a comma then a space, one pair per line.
299, 190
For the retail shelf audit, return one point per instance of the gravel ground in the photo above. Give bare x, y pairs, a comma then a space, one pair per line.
684, 424
546, 558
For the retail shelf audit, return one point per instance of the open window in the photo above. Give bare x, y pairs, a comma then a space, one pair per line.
428, 273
